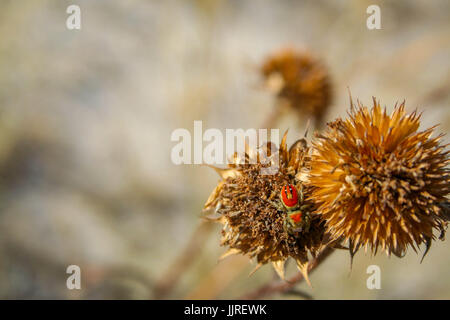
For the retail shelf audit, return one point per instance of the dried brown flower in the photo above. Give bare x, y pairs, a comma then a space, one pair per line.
245, 202
300, 80
380, 182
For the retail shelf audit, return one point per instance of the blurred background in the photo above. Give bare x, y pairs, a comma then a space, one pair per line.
86, 117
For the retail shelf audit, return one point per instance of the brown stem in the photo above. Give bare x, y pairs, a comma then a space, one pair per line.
215, 282
184, 260
284, 286
271, 120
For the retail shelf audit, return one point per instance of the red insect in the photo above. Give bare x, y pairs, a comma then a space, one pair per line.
289, 196
297, 217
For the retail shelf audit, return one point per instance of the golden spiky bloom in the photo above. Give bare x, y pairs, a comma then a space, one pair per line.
300, 80
379, 181
252, 224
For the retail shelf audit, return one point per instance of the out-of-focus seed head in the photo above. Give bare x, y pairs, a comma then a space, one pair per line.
300, 80
379, 181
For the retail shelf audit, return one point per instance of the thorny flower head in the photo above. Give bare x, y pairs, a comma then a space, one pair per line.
379, 181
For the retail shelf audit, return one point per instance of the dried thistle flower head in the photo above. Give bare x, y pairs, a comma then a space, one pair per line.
379, 181
300, 80
255, 222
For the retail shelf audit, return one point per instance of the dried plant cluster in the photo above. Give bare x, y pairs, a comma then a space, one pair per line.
245, 203
373, 180
300, 80
379, 181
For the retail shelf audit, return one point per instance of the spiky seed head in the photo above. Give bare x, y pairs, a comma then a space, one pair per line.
379, 181
252, 225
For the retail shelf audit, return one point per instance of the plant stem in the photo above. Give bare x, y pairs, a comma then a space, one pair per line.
284, 286
178, 268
